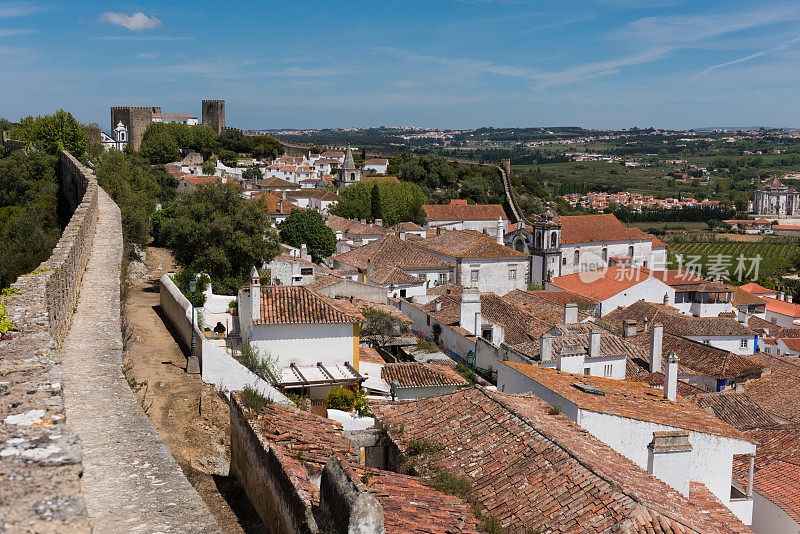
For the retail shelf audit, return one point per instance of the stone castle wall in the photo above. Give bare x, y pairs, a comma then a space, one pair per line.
11, 144
135, 119
40, 454
213, 114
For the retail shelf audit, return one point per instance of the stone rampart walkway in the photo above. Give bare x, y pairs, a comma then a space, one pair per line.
131, 483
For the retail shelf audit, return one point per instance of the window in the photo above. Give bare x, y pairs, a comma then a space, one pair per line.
563, 261
587, 371
553, 240
428, 320
604, 254
473, 275
422, 276
630, 251
774, 320
402, 293
486, 333
442, 278
306, 271
607, 368
743, 344
576, 257
512, 274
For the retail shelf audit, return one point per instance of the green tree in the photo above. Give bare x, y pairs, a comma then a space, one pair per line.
252, 173
210, 167
375, 203
215, 230
159, 146
53, 133
228, 157
308, 226
136, 187
399, 202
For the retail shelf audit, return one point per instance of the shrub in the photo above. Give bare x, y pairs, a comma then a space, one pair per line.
554, 409
452, 484
181, 280
340, 398
418, 447
253, 400
262, 365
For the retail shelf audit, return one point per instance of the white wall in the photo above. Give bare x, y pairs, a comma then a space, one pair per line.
591, 256
649, 290
702, 309
305, 344
729, 343
780, 319
771, 519
479, 226
493, 274
423, 392
217, 367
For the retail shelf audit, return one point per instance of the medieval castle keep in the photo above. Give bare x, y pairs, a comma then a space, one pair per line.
135, 119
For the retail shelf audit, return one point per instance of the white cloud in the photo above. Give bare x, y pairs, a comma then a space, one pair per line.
135, 23
14, 32
147, 55
140, 38
18, 9
756, 55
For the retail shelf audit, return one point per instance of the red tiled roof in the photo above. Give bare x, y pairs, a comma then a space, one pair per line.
778, 393
676, 277
601, 284
677, 323
534, 471
370, 355
756, 289
549, 305
376, 161
735, 408
789, 309
633, 400
391, 251
656, 380
596, 228
700, 495
610, 345
197, 180
780, 483
419, 375
468, 244
275, 205
464, 212
298, 305
744, 298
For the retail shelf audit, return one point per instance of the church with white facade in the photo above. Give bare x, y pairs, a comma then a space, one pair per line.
565, 245
777, 200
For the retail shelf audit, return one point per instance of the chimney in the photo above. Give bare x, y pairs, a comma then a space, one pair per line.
645, 322
546, 349
438, 305
666, 299
742, 315
669, 458
629, 328
438, 230
571, 313
470, 310
656, 343
303, 251
500, 231
402, 235
379, 222
571, 359
255, 295
671, 377
594, 344
788, 297
780, 296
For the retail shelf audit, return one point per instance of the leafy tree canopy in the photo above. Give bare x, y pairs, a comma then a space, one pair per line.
216, 231
53, 133
159, 146
394, 202
308, 226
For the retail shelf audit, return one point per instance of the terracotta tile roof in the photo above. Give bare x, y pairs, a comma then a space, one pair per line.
274, 181
376, 161
407, 226
735, 408
778, 393
780, 483
275, 205
446, 289
466, 244
304, 442
352, 227
601, 284
450, 314
544, 306
419, 375
390, 275
391, 251
743, 298
700, 359
595, 229
789, 309
676, 323
464, 212
721, 514
610, 345
774, 442
656, 380
370, 355
633, 400
675, 276
411, 507
754, 288
387, 308
323, 281
298, 305
757, 324
776, 362
321, 194
520, 326
197, 180
535, 471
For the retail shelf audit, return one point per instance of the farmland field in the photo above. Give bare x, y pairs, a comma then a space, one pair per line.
724, 256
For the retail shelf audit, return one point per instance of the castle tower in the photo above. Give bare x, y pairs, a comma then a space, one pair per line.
135, 119
214, 115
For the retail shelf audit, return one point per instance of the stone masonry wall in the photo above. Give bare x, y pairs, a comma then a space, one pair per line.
40, 457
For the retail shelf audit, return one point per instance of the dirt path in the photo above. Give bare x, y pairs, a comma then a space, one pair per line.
191, 418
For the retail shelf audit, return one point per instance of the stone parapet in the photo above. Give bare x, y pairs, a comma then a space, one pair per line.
40, 456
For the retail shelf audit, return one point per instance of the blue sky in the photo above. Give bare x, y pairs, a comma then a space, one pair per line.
438, 63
